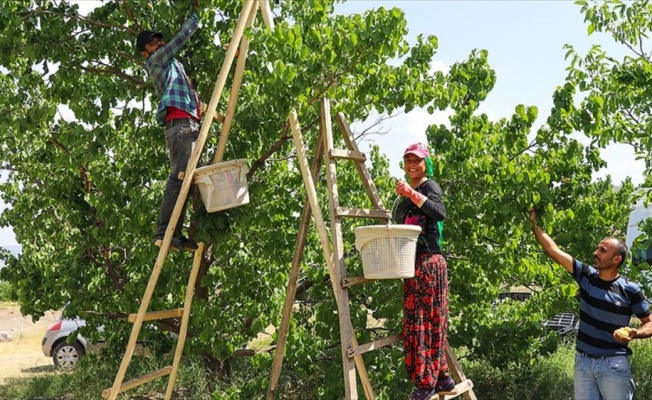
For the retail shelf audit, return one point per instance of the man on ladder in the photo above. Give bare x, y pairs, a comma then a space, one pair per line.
178, 111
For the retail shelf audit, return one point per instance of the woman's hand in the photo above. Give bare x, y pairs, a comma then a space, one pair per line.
404, 189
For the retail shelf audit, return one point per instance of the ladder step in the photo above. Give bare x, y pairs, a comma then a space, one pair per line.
355, 280
362, 213
139, 381
152, 315
376, 344
347, 155
460, 389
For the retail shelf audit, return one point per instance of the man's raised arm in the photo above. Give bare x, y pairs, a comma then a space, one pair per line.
549, 245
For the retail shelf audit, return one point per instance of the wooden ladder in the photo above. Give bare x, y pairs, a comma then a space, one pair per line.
239, 43
352, 361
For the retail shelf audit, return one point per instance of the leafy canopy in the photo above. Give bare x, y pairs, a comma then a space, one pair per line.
85, 185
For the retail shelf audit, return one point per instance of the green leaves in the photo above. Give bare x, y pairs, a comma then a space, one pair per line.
90, 179
88, 164
615, 105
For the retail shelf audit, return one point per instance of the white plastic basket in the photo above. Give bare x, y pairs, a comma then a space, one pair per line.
387, 251
223, 185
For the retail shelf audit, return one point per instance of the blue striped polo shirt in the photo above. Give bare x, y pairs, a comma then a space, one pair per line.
604, 307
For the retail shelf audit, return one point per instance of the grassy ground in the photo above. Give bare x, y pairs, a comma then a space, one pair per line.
546, 379
551, 378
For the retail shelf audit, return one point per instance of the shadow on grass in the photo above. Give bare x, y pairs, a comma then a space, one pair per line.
39, 370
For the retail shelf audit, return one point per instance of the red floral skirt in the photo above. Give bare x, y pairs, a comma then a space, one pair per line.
425, 320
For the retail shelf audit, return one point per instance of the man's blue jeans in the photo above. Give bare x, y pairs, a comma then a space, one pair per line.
179, 138
606, 378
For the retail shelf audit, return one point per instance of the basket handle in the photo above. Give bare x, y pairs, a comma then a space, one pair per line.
391, 210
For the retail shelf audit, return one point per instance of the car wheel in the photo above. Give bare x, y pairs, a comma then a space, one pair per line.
67, 355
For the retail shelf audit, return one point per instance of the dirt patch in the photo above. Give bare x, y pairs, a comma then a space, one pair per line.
20, 353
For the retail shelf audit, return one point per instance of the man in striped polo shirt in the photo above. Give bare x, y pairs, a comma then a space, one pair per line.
178, 111
607, 302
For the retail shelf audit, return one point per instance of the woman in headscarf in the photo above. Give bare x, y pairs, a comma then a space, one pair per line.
425, 297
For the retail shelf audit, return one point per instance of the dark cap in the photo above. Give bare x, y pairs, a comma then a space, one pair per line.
145, 37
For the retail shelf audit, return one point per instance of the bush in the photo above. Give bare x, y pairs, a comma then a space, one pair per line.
6, 291
550, 378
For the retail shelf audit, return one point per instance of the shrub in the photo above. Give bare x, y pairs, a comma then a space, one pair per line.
6, 291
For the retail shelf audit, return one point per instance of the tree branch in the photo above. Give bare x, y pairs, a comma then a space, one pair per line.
115, 71
57, 144
79, 18
130, 15
275, 147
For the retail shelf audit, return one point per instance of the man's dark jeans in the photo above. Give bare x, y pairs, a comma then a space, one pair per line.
180, 135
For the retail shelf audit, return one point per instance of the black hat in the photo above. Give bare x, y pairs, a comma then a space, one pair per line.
145, 37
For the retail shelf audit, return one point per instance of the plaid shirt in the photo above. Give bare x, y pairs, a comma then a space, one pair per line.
169, 76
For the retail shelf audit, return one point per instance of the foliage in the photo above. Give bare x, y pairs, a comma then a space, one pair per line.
550, 378
92, 181
85, 188
6, 291
493, 172
614, 93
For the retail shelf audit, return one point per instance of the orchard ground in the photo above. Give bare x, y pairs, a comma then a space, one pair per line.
20, 355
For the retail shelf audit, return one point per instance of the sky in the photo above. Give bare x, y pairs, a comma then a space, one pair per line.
525, 42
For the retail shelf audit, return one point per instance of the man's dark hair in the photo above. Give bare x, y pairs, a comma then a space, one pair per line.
621, 250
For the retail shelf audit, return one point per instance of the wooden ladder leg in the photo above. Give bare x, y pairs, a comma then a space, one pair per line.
367, 182
147, 297
267, 14
183, 331
458, 375
235, 88
292, 285
348, 366
347, 333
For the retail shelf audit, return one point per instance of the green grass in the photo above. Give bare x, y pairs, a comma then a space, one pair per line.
92, 376
549, 378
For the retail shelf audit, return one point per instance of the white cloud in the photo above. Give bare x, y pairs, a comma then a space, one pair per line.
438, 66
621, 163
402, 131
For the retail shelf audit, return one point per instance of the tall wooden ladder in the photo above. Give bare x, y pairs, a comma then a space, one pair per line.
239, 43
333, 248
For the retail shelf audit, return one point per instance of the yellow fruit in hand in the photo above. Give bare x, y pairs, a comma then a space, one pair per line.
623, 333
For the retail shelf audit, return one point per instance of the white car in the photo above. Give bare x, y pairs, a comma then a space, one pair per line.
66, 354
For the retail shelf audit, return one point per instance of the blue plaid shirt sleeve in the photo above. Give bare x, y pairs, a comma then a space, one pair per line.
169, 76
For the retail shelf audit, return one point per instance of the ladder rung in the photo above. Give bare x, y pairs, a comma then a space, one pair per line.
460, 388
347, 155
356, 280
152, 315
376, 344
139, 381
361, 213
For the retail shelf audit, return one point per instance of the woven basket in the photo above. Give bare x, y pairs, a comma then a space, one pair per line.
223, 185
387, 251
